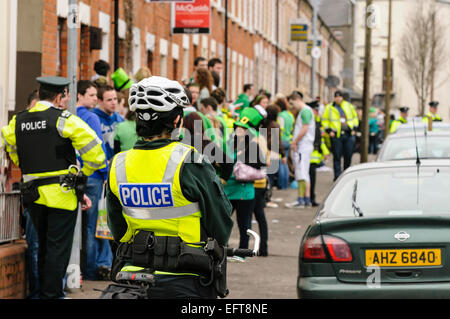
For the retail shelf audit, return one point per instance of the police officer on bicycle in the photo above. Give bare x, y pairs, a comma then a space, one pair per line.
164, 199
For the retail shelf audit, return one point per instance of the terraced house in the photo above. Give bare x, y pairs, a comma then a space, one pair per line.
254, 41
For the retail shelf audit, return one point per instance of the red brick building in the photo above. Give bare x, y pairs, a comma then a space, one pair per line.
259, 50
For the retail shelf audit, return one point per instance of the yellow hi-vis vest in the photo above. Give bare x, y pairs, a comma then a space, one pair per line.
147, 183
434, 117
331, 117
83, 139
316, 156
395, 124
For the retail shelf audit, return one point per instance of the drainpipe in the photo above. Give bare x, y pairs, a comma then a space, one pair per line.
12, 59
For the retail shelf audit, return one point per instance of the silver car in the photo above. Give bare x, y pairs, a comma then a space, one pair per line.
401, 146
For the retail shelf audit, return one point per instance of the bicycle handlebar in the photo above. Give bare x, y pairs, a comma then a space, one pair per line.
135, 277
241, 252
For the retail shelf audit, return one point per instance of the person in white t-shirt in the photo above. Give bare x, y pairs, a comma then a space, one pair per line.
302, 147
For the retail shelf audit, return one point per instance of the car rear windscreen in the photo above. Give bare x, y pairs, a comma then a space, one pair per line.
405, 148
399, 191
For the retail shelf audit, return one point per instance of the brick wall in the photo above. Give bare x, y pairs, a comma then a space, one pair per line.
49, 38
155, 18
12, 271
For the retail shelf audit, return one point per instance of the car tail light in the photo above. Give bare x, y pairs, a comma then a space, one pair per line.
338, 249
313, 249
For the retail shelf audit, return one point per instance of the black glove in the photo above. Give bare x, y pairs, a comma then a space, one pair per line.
80, 185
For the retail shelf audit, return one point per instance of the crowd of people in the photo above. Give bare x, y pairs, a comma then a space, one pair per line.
255, 143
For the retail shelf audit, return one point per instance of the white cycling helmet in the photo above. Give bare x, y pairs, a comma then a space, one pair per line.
157, 93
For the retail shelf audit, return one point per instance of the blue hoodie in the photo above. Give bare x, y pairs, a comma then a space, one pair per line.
108, 125
94, 123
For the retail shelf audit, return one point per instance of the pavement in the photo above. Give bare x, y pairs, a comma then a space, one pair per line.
271, 277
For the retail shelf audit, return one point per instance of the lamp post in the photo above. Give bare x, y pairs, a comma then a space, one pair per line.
388, 76
366, 90
313, 59
74, 269
226, 46
116, 34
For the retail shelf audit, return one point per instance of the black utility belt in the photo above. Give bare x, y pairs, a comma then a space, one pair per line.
165, 253
30, 192
347, 132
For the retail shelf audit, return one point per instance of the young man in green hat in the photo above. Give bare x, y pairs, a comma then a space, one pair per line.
121, 80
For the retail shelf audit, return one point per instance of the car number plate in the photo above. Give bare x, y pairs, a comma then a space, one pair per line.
403, 257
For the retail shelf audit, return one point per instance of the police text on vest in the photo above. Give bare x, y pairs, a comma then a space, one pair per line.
146, 195
34, 126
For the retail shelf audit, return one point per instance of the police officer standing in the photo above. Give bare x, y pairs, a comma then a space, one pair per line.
165, 199
433, 113
403, 119
340, 121
42, 142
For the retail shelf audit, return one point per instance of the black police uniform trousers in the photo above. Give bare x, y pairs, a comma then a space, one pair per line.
312, 176
180, 287
55, 229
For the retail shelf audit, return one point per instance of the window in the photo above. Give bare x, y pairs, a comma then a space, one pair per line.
104, 24
61, 47
361, 64
150, 61
186, 64
175, 57
136, 49
163, 66
163, 50
150, 40
175, 70
233, 74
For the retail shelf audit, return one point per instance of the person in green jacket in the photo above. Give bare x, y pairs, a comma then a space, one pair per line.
243, 99
125, 134
286, 120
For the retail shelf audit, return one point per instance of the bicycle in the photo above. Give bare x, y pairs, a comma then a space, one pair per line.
135, 285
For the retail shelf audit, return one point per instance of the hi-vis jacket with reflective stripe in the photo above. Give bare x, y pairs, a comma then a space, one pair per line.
434, 117
318, 156
147, 183
331, 118
196, 179
396, 123
83, 139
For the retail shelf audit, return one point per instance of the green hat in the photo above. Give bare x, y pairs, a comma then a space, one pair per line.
54, 84
121, 80
250, 119
372, 110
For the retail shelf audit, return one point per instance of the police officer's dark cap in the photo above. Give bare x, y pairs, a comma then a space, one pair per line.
434, 104
313, 104
54, 84
404, 109
339, 93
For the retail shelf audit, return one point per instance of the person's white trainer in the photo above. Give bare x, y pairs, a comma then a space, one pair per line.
295, 204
